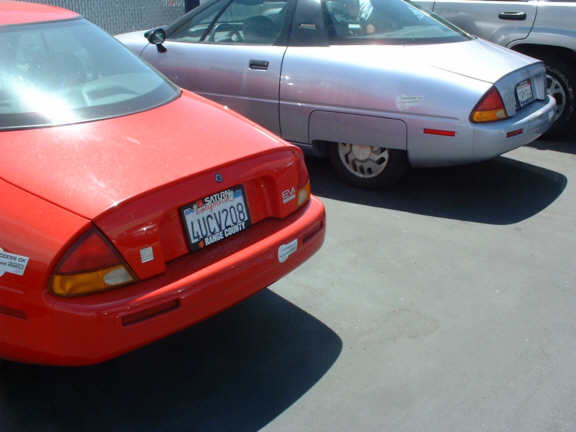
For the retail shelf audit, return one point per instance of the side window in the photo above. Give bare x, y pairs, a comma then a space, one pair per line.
309, 24
196, 28
249, 22
384, 21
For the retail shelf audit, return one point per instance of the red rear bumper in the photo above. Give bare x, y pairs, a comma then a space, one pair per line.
96, 328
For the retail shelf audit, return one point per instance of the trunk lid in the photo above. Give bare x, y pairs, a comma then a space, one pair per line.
516, 76
477, 59
149, 230
132, 175
92, 167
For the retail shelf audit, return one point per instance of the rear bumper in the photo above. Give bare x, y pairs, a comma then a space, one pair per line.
474, 142
93, 329
491, 140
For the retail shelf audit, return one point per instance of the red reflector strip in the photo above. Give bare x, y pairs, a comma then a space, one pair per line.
439, 132
150, 312
514, 132
12, 312
310, 234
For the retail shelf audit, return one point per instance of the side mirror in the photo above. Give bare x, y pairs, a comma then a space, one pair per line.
157, 37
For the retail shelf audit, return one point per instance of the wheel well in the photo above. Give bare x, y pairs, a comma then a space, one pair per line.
321, 147
543, 52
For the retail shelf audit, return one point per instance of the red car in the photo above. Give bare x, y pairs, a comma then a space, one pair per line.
130, 209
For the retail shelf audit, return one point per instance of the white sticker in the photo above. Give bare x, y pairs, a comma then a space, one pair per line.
285, 250
12, 263
288, 195
147, 254
405, 102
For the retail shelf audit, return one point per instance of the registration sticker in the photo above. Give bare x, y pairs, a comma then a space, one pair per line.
215, 217
12, 263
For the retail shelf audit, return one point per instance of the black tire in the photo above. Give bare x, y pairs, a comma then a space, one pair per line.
388, 172
562, 76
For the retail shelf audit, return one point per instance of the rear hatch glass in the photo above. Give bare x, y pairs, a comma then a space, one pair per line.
71, 71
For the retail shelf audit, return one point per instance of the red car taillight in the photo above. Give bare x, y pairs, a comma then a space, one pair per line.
490, 108
90, 265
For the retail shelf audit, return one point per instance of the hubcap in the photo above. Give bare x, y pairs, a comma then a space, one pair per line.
362, 160
554, 88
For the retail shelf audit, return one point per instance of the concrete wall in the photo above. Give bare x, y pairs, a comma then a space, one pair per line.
117, 16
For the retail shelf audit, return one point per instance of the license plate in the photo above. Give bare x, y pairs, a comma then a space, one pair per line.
524, 92
215, 217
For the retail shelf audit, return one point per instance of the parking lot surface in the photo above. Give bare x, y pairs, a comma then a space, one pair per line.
445, 304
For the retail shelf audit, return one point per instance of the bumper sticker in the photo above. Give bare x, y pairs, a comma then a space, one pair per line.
12, 263
285, 250
405, 102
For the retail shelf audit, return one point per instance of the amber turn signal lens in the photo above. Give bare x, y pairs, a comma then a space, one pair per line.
88, 283
91, 265
490, 108
303, 194
303, 180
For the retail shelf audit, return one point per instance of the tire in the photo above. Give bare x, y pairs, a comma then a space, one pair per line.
561, 84
368, 167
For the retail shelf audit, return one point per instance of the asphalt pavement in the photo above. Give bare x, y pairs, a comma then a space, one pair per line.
445, 304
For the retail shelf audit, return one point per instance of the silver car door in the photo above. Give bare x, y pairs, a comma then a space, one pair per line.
230, 52
307, 39
501, 22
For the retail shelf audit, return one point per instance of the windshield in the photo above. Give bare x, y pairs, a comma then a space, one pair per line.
71, 71
386, 21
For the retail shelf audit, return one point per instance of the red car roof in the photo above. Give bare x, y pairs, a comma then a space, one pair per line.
13, 12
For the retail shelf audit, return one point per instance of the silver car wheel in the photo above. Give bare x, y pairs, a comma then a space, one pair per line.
554, 88
363, 161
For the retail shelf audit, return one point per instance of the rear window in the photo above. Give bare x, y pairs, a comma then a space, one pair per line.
65, 72
386, 21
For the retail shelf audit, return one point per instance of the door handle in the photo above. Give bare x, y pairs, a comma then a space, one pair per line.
514, 16
259, 64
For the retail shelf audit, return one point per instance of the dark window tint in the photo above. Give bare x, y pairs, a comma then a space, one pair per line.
385, 21
235, 22
197, 27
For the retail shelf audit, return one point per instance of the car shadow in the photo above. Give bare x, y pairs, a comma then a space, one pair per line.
563, 145
501, 191
234, 372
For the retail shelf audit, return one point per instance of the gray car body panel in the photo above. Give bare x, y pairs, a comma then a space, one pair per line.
334, 126
482, 18
555, 26
381, 95
223, 73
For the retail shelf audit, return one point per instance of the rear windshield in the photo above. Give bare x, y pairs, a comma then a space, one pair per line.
65, 72
386, 21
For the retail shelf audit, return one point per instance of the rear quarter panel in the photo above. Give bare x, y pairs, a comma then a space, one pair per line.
38, 230
382, 84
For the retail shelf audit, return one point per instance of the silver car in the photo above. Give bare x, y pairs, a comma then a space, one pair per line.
375, 85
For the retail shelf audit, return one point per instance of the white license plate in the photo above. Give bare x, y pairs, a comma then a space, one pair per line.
524, 92
215, 217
